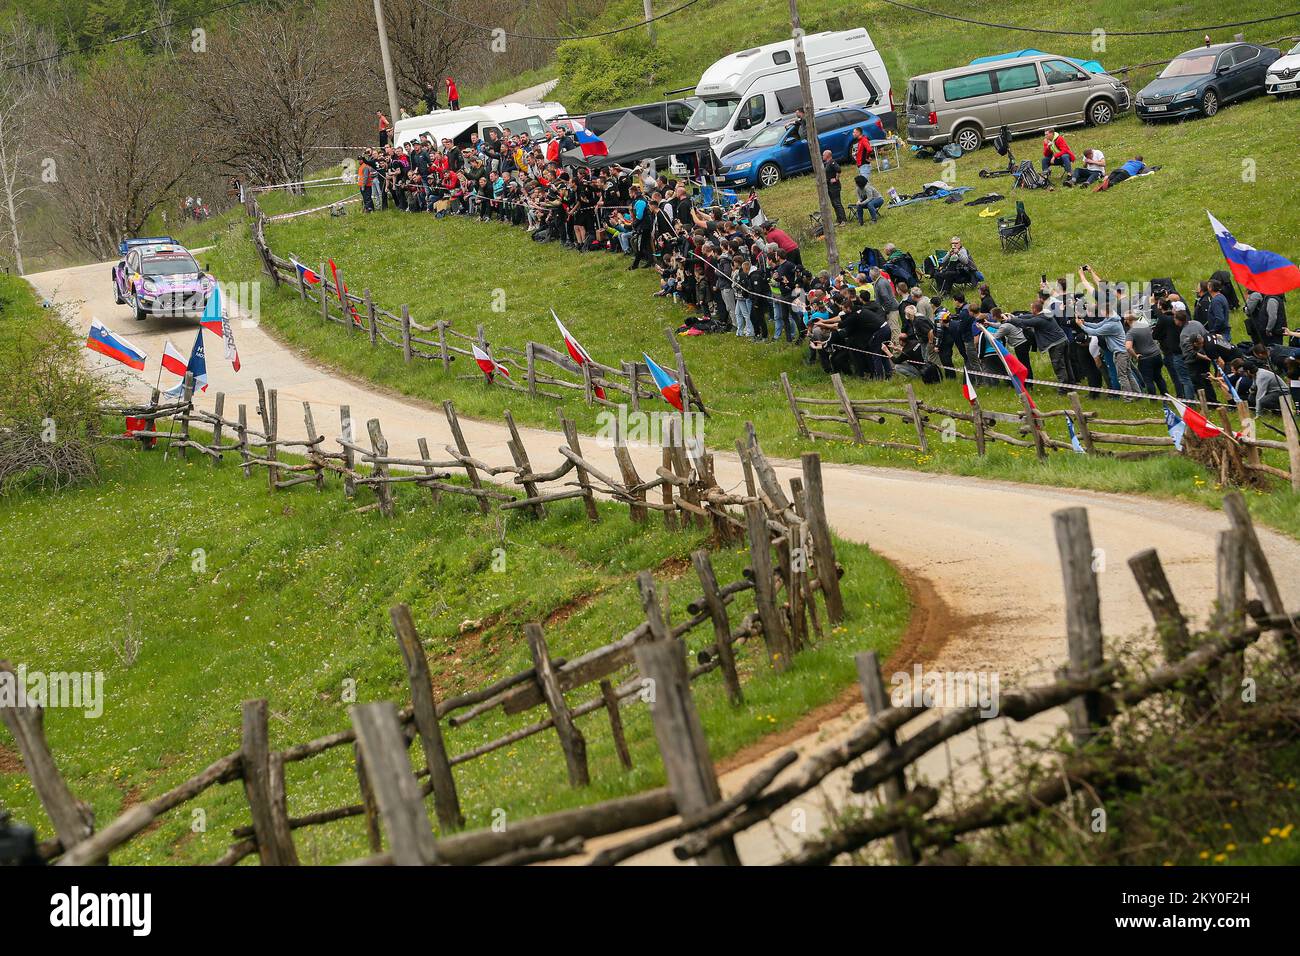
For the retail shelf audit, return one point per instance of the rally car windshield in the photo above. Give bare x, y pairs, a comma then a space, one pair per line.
169, 267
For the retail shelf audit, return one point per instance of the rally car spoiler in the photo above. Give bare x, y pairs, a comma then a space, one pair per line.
125, 245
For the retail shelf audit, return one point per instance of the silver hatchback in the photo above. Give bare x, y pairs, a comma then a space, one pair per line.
1029, 94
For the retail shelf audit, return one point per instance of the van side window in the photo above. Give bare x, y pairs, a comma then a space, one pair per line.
781, 57
754, 111
1023, 77
964, 87
873, 94
789, 100
1061, 71
834, 91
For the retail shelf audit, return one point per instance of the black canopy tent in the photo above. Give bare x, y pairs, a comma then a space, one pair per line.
632, 139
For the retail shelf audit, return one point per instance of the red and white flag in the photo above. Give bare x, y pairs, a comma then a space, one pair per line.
576, 351
1200, 426
173, 361
968, 389
488, 364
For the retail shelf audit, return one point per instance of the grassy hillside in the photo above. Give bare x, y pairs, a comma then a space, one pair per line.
910, 42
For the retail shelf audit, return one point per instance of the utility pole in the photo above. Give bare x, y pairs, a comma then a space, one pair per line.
814, 147
394, 111
647, 5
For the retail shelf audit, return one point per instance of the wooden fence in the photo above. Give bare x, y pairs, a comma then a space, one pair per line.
545, 369
1233, 457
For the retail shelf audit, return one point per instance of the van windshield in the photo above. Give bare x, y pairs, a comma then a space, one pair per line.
712, 115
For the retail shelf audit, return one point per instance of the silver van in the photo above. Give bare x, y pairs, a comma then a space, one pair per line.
968, 105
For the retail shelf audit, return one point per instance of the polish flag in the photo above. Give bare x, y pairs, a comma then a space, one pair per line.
173, 361
968, 389
489, 365
1201, 427
576, 351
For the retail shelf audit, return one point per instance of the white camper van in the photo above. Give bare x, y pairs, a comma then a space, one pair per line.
456, 125
748, 90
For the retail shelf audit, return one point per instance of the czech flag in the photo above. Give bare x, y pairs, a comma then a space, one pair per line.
489, 365
108, 343
576, 351
968, 388
590, 143
1200, 426
1256, 269
215, 320
197, 365
173, 361
668, 387
309, 276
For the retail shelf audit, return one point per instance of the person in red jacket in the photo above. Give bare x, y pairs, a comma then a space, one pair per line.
862, 152
1056, 152
453, 95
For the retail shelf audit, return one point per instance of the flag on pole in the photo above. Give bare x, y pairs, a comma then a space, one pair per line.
1200, 426
968, 388
1256, 269
1016, 370
1227, 382
576, 351
197, 366
590, 143
105, 342
309, 276
342, 291
216, 321
1074, 438
668, 387
173, 361
1175, 426
488, 364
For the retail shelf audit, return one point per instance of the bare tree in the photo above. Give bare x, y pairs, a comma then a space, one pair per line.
121, 139
269, 89
22, 86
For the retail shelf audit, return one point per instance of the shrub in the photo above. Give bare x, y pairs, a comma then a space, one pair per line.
597, 72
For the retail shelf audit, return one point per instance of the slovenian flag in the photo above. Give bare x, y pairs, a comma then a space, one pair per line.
576, 351
668, 387
1074, 437
309, 276
173, 361
109, 343
1016, 370
968, 388
1200, 426
216, 321
489, 365
590, 143
197, 365
1256, 269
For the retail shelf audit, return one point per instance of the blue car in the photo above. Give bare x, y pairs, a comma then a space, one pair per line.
776, 152
1200, 81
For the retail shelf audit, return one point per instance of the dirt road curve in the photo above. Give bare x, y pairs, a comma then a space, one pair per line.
979, 556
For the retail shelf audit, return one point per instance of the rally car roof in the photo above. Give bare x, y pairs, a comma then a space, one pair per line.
127, 244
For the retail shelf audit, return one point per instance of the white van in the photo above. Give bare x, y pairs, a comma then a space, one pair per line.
456, 125
751, 89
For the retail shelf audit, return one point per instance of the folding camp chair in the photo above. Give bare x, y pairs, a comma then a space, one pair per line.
1014, 231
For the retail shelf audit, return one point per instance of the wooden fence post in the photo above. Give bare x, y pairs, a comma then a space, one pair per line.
1082, 616
721, 626
670, 514
219, 408
530, 362
187, 396
324, 295
423, 445
520, 456
383, 490
571, 739
571, 439
630, 370
314, 450
267, 408
838, 384
445, 801
1035, 426
242, 432
1261, 575
1171, 625
443, 354
877, 701
748, 467
383, 748
760, 559
347, 433
691, 778
372, 319
374, 837
264, 787
72, 819
459, 438
977, 414
828, 575
1230, 611
794, 406
1292, 439
638, 513
1081, 422
616, 724
915, 408
406, 334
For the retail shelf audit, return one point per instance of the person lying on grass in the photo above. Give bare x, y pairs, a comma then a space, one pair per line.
1134, 167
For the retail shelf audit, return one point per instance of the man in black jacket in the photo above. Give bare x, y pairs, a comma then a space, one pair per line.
833, 186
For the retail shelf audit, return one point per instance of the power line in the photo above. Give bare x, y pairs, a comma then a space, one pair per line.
1089, 33
558, 39
130, 36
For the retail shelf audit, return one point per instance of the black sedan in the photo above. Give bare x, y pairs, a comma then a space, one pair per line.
1203, 80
